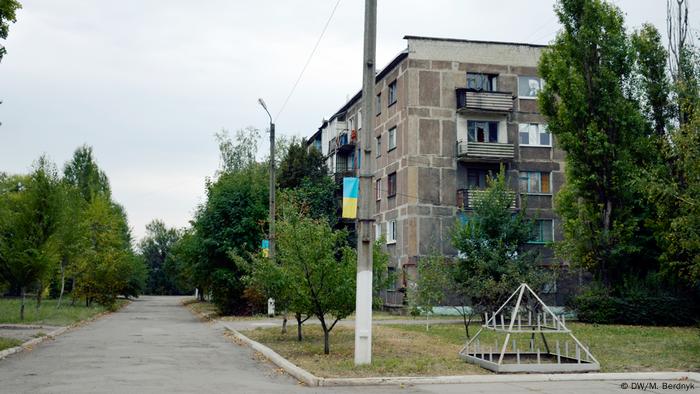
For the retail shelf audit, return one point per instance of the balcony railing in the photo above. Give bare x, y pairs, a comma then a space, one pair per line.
476, 100
486, 151
344, 142
468, 198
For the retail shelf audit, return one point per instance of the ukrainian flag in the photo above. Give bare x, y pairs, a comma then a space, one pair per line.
351, 187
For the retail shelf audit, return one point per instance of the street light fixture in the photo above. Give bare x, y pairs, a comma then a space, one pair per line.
272, 180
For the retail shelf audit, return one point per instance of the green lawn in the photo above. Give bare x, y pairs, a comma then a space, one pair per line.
48, 314
6, 343
408, 350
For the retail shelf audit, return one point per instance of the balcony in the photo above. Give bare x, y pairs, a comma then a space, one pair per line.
485, 151
468, 198
483, 101
342, 143
341, 173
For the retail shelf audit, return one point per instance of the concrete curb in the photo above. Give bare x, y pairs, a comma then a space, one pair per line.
311, 380
300, 374
32, 342
53, 334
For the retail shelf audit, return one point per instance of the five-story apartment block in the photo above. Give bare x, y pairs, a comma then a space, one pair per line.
448, 113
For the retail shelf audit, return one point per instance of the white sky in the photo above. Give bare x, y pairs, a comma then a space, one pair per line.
147, 83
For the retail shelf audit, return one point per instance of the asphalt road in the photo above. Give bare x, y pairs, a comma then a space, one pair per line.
155, 345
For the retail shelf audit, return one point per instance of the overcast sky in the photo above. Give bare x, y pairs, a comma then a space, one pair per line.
147, 83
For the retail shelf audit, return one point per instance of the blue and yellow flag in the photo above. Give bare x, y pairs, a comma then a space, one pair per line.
265, 248
351, 188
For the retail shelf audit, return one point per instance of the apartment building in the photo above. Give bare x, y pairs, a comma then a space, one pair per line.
448, 113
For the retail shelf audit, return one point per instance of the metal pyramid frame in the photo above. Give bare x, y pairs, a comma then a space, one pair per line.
531, 359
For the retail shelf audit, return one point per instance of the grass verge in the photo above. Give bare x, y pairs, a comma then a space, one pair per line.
408, 350
203, 308
47, 313
6, 343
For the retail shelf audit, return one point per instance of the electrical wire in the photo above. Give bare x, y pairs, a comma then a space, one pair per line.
311, 55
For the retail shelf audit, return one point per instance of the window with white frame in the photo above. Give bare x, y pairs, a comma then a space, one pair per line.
534, 182
534, 134
482, 82
392, 138
379, 146
543, 231
482, 131
378, 103
377, 231
528, 86
391, 232
378, 189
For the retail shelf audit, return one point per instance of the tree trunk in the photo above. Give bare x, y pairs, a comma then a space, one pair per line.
299, 322
466, 323
284, 323
73, 293
63, 286
21, 308
326, 342
39, 292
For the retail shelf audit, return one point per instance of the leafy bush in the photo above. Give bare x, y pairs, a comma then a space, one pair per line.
597, 306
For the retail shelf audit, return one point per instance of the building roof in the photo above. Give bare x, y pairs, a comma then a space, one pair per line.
473, 41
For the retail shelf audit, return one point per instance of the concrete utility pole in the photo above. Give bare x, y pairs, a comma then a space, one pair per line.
365, 217
272, 181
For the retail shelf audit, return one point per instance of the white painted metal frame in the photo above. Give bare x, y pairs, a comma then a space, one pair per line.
485, 358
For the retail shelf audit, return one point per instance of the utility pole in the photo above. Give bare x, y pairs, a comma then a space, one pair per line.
365, 217
272, 182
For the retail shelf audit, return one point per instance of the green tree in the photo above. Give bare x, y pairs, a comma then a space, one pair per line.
382, 279
431, 286
299, 163
8, 14
155, 248
321, 265
494, 256
29, 218
83, 173
599, 125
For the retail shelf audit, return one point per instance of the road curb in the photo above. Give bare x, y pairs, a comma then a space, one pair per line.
53, 334
311, 380
32, 342
297, 372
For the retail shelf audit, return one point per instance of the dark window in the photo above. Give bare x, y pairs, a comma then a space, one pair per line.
378, 110
392, 93
391, 185
484, 82
379, 146
482, 131
476, 178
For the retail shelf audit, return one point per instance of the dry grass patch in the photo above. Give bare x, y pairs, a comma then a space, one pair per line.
396, 352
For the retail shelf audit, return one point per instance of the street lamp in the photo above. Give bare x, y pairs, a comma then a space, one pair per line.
272, 180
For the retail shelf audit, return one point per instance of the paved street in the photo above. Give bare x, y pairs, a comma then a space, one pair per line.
157, 346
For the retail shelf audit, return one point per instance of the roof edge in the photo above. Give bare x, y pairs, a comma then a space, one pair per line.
409, 37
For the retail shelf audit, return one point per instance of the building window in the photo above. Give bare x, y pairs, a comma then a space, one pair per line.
476, 178
378, 110
379, 146
534, 134
391, 232
482, 82
391, 185
377, 231
534, 182
392, 139
482, 131
528, 87
392, 93
543, 231
391, 272
378, 189
359, 120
